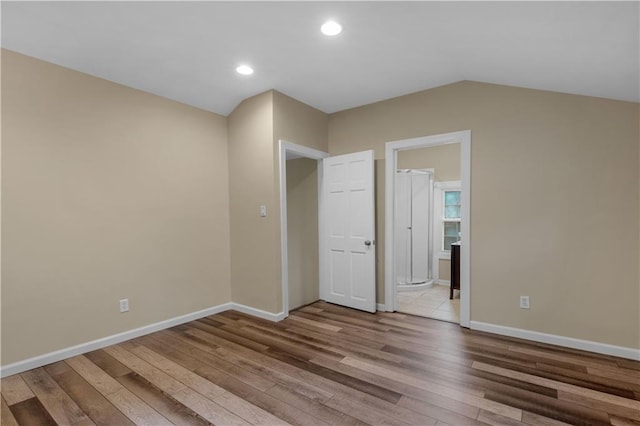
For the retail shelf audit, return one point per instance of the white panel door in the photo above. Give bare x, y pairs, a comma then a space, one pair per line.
347, 251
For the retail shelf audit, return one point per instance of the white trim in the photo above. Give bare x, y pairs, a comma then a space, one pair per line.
446, 283
391, 164
258, 312
439, 190
465, 226
55, 356
553, 339
321, 225
381, 307
306, 152
448, 184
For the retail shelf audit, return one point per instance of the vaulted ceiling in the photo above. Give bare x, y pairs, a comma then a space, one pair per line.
188, 51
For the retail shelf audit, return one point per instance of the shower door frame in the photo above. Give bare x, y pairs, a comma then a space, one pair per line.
391, 165
430, 226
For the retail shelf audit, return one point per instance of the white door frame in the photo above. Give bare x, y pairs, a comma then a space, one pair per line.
303, 152
391, 164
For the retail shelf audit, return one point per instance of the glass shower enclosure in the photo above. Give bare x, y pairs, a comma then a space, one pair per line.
413, 228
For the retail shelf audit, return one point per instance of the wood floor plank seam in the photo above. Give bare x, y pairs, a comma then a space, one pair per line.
240, 389
560, 386
128, 403
326, 342
469, 398
14, 389
58, 403
198, 347
176, 412
362, 394
198, 403
92, 402
239, 407
6, 416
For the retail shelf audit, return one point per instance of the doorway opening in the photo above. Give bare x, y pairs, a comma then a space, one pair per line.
343, 231
300, 178
443, 222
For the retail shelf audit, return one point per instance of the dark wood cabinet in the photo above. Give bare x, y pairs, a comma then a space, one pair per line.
455, 268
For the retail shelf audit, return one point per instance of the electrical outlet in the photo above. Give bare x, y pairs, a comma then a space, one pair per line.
124, 305
263, 211
524, 302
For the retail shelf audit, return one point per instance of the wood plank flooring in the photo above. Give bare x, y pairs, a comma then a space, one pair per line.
326, 365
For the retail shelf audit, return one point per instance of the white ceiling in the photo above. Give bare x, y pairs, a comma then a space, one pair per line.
188, 51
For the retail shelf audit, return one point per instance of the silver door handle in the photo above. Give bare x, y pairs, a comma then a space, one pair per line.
367, 243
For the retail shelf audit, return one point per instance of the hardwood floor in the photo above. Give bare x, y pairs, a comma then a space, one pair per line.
326, 365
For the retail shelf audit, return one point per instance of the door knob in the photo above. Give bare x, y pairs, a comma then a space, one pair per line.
367, 243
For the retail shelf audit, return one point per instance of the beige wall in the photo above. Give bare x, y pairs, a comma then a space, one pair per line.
380, 238
554, 200
255, 240
255, 127
299, 123
444, 159
108, 193
302, 230
445, 162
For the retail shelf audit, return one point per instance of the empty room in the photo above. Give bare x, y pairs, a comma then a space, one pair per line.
320, 213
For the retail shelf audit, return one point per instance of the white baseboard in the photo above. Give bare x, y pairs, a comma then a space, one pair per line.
445, 283
51, 357
381, 307
257, 312
553, 339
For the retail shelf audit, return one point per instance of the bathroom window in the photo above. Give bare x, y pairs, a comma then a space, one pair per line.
450, 218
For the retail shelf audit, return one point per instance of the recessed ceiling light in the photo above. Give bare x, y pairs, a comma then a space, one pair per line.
331, 28
244, 70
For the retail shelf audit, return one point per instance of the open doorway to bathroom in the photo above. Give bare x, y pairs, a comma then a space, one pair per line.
427, 224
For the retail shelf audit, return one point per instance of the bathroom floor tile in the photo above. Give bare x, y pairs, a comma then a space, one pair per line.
450, 305
445, 315
432, 302
427, 303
